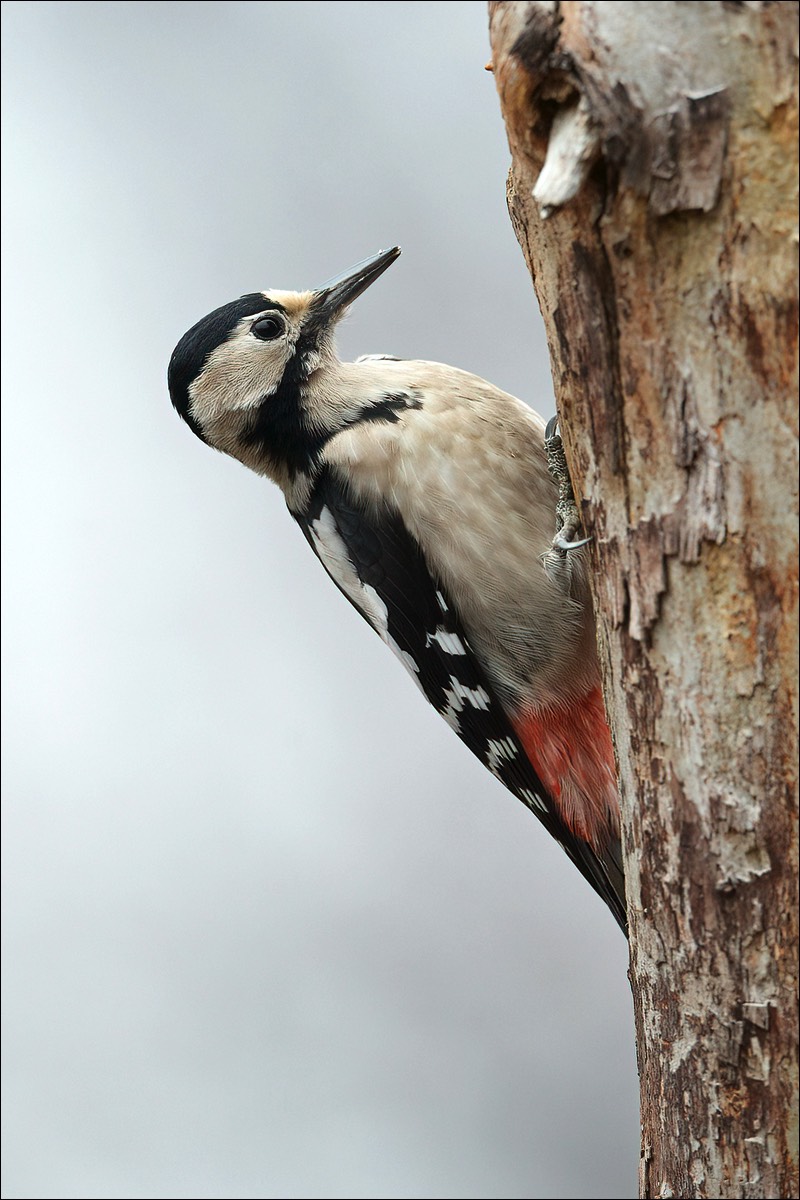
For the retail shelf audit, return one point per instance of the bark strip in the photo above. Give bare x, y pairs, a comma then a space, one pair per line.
653, 190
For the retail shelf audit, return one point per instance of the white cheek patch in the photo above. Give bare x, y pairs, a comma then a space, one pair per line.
240, 373
333, 555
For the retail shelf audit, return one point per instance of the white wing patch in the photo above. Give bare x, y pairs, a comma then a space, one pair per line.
334, 556
451, 643
478, 697
407, 660
496, 751
457, 695
535, 802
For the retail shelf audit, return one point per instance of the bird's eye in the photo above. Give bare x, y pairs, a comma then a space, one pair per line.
267, 328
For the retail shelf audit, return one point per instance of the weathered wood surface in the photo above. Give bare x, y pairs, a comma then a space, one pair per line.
654, 193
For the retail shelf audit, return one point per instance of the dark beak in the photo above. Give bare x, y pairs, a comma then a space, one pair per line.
337, 293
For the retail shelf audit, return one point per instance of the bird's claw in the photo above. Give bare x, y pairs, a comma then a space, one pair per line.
561, 544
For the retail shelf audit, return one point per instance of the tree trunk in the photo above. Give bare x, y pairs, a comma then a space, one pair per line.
654, 192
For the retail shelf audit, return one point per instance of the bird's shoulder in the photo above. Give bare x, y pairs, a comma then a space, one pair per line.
432, 436
437, 384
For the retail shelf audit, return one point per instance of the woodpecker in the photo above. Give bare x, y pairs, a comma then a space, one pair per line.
425, 493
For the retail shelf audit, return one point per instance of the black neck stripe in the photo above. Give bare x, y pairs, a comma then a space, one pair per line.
281, 429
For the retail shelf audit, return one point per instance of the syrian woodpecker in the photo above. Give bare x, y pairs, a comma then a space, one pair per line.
425, 493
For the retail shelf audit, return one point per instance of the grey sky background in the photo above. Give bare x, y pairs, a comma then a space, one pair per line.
270, 930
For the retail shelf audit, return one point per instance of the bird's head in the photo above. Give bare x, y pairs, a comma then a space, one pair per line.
241, 376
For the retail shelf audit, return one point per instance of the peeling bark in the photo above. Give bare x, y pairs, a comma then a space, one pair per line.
653, 190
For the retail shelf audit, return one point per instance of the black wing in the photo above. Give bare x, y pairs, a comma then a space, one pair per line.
380, 568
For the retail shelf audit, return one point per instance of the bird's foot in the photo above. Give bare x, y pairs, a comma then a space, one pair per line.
568, 520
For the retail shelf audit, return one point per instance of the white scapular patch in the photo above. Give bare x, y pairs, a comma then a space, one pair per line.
332, 550
407, 660
442, 602
533, 801
496, 751
333, 554
451, 643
